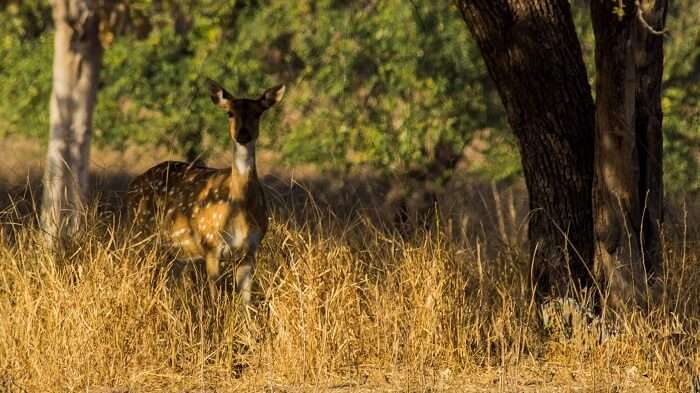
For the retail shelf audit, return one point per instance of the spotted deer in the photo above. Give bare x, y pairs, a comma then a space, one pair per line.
207, 213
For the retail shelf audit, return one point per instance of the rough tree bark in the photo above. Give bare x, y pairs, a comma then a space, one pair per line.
534, 57
76, 65
628, 190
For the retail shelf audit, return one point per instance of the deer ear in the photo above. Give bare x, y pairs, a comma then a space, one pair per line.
272, 96
219, 95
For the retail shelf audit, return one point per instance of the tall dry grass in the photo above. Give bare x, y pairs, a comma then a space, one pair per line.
343, 304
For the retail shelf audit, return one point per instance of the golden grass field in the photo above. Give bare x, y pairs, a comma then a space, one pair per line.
344, 303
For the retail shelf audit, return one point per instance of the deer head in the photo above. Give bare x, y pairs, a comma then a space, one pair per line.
243, 113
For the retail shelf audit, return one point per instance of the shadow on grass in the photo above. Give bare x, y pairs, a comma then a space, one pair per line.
469, 208
494, 214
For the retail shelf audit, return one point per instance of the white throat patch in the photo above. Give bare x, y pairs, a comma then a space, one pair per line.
244, 157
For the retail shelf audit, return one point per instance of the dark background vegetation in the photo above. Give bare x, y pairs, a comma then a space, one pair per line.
371, 83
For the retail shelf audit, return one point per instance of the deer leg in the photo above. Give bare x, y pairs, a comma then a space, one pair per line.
213, 266
244, 276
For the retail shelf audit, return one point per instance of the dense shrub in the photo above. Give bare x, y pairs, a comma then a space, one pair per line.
370, 82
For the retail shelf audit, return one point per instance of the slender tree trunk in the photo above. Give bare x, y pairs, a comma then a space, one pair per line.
76, 65
649, 131
534, 57
628, 191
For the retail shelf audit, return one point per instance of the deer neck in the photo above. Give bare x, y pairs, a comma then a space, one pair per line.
243, 170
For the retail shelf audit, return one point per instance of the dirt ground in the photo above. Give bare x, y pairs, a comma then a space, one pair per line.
548, 379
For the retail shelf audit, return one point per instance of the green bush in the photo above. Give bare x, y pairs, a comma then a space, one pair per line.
375, 83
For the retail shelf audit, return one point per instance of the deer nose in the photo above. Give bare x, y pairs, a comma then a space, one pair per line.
244, 136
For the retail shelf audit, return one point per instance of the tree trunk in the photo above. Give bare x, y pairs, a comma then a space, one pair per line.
628, 190
76, 65
534, 57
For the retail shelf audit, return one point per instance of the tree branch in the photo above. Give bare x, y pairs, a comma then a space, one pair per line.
640, 16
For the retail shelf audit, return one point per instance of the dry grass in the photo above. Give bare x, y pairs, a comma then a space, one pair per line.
342, 306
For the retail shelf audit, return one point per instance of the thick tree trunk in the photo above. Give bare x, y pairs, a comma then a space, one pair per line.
534, 57
628, 187
76, 65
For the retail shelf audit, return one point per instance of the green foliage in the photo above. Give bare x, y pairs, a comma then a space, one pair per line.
681, 100
374, 83
24, 19
377, 83
25, 84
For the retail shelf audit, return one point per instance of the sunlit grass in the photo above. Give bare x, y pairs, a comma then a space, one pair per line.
340, 304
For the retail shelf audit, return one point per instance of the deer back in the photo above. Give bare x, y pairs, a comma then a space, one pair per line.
198, 209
